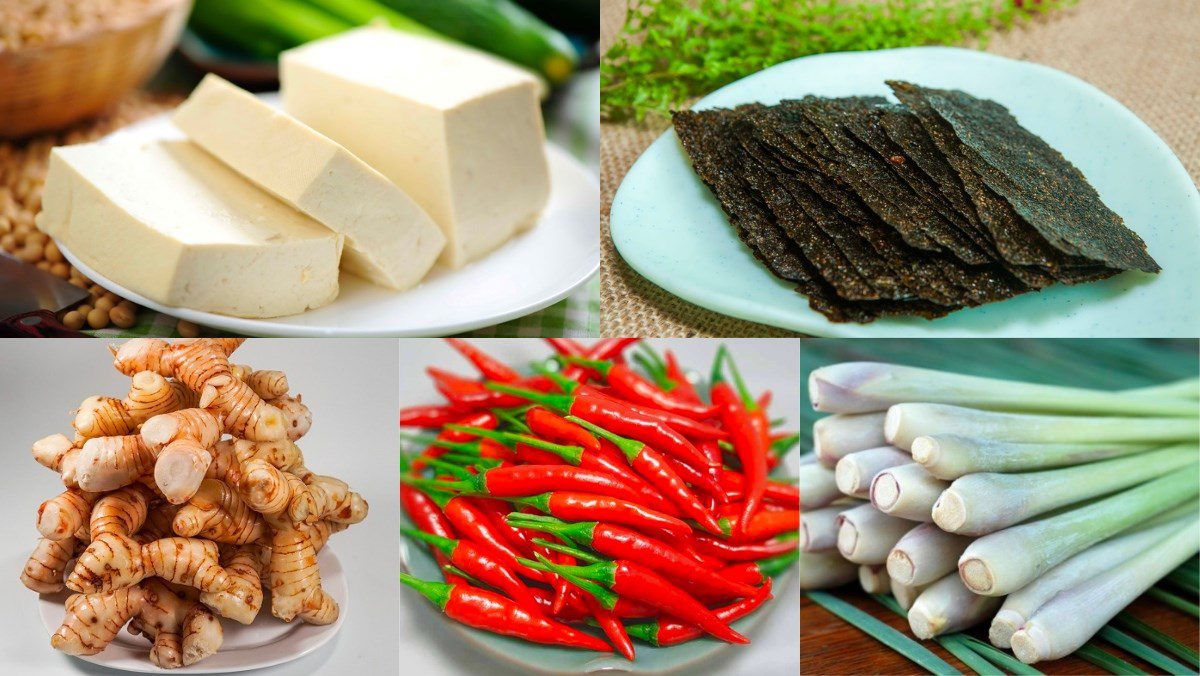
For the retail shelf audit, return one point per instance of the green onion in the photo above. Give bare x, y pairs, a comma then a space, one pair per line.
948, 606
884, 634
1023, 603
1141, 651
925, 554
1004, 561
906, 422
906, 491
821, 570
950, 456
855, 472
986, 502
864, 387
836, 436
866, 535
1074, 615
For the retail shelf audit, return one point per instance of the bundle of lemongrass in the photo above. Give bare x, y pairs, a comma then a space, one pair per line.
1044, 509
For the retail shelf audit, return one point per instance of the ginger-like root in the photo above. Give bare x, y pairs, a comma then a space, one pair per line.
183, 631
155, 354
275, 492
320, 531
268, 384
224, 466
217, 513
115, 561
281, 453
186, 561
198, 424
296, 578
182, 439
43, 572
94, 620
243, 599
296, 416
113, 558
246, 415
60, 454
64, 514
333, 500
158, 524
108, 463
150, 394
102, 417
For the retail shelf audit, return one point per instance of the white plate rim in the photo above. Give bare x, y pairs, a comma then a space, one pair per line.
804, 320
307, 638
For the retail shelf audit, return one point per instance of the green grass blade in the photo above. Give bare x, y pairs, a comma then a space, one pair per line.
1141, 651
1110, 663
1139, 628
999, 657
883, 633
1174, 601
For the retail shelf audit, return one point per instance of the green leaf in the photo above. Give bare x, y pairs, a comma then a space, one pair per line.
883, 633
1136, 626
1174, 601
1141, 651
999, 657
1110, 663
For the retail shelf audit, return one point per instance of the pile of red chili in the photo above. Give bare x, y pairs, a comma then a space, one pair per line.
584, 491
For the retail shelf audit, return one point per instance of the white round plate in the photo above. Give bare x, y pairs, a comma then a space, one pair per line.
535, 269
265, 643
667, 225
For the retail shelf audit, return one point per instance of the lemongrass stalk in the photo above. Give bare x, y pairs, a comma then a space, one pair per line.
983, 503
866, 535
1022, 604
1004, 561
924, 555
819, 527
948, 606
855, 471
874, 579
906, 422
862, 387
906, 595
822, 570
906, 491
836, 436
1074, 615
818, 487
950, 456
1188, 388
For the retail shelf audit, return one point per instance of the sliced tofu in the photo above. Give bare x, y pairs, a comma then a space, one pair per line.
170, 222
390, 240
458, 130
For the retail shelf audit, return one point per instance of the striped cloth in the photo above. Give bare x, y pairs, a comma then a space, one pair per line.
572, 122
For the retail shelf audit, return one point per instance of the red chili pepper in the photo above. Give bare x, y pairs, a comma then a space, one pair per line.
610, 348
429, 416
611, 624
570, 506
765, 524
543, 423
427, 516
749, 429
492, 612
473, 523
631, 386
566, 346
482, 419
534, 450
759, 572
479, 564
621, 543
668, 631
764, 400
710, 546
449, 384
654, 467
616, 416
684, 388
490, 367
690, 429
574, 610
786, 495
608, 580
526, 480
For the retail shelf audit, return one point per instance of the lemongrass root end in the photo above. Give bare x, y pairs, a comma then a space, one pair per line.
925, 450
900, 567
847, 539
949, 512
1030, 644
885, 492
1004, 625
976, 575
923, 625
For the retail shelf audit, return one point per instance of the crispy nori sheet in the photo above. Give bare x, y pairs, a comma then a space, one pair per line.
1048, 191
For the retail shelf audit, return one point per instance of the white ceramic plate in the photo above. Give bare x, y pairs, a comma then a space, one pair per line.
535, 269
667, 225
266, 642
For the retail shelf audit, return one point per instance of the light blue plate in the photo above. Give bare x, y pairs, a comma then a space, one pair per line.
667, 225
553, 660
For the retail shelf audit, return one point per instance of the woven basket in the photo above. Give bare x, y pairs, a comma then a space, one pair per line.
53, 85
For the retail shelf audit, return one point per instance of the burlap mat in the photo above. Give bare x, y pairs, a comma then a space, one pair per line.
1144, 54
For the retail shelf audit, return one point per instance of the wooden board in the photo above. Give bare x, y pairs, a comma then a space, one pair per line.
830, 645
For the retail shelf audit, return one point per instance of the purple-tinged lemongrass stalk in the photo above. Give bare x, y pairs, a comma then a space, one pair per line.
906, 491
855, 471
947, 606
822, 570
836, 436
866, 535
925, 554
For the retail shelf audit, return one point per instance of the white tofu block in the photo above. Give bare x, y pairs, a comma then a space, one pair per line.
168, 221
460, 131
390, 240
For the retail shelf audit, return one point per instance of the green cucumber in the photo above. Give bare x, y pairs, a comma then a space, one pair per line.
360, 12
499, 27
262, 27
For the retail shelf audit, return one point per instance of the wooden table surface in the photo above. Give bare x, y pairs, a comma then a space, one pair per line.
830, 645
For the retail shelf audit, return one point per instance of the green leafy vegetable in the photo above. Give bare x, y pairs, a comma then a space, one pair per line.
672, 50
